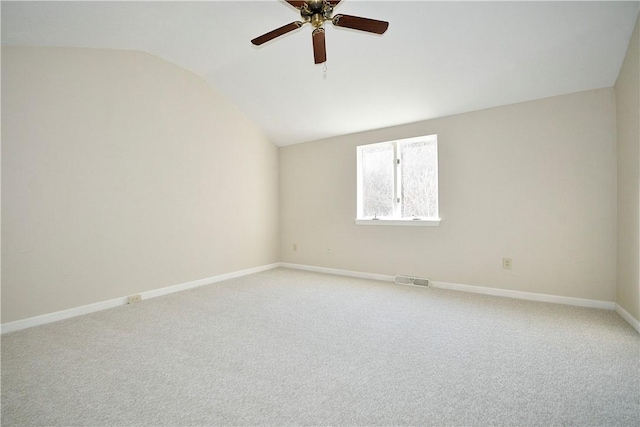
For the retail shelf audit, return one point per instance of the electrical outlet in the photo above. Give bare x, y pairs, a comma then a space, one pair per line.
507, 263
134, 298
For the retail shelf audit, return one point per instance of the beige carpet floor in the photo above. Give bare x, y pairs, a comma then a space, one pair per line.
286, 347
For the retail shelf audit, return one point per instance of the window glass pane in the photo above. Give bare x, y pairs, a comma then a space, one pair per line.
419, 178
377, 180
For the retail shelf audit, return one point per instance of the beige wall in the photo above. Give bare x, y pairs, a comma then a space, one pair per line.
627, 90
123, 173
534, 181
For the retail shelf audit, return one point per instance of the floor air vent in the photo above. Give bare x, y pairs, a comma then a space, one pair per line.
410, 280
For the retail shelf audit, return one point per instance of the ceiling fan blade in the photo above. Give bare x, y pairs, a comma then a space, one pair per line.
333, 3
276, 33
362, 24
296, 4
319, 47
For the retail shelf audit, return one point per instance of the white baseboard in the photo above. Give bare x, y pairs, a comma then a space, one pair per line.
337, 272
635, 324
207, 281
103, 305
61, 315
532, 296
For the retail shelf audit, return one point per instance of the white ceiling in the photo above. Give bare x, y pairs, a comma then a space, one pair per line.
436, 59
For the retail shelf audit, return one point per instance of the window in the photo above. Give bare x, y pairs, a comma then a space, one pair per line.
398, 182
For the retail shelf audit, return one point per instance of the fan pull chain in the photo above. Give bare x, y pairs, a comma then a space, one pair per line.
324, 69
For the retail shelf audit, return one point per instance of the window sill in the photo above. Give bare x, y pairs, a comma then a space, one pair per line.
432, 222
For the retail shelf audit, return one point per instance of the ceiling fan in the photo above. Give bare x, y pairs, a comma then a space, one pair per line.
317, 12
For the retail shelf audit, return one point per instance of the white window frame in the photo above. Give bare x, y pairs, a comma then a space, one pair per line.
395, 220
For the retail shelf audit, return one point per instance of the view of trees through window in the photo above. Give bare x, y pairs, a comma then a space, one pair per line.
399, 180
419, 179
377, 180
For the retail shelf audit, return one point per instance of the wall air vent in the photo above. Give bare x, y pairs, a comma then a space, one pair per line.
410, 280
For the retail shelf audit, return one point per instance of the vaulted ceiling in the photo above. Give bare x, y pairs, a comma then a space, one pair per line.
436, 59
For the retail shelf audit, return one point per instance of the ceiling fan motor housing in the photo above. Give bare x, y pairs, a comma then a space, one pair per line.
316, 12
317, 20
316, 5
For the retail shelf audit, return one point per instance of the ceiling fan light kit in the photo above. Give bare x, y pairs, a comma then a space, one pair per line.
317, 12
